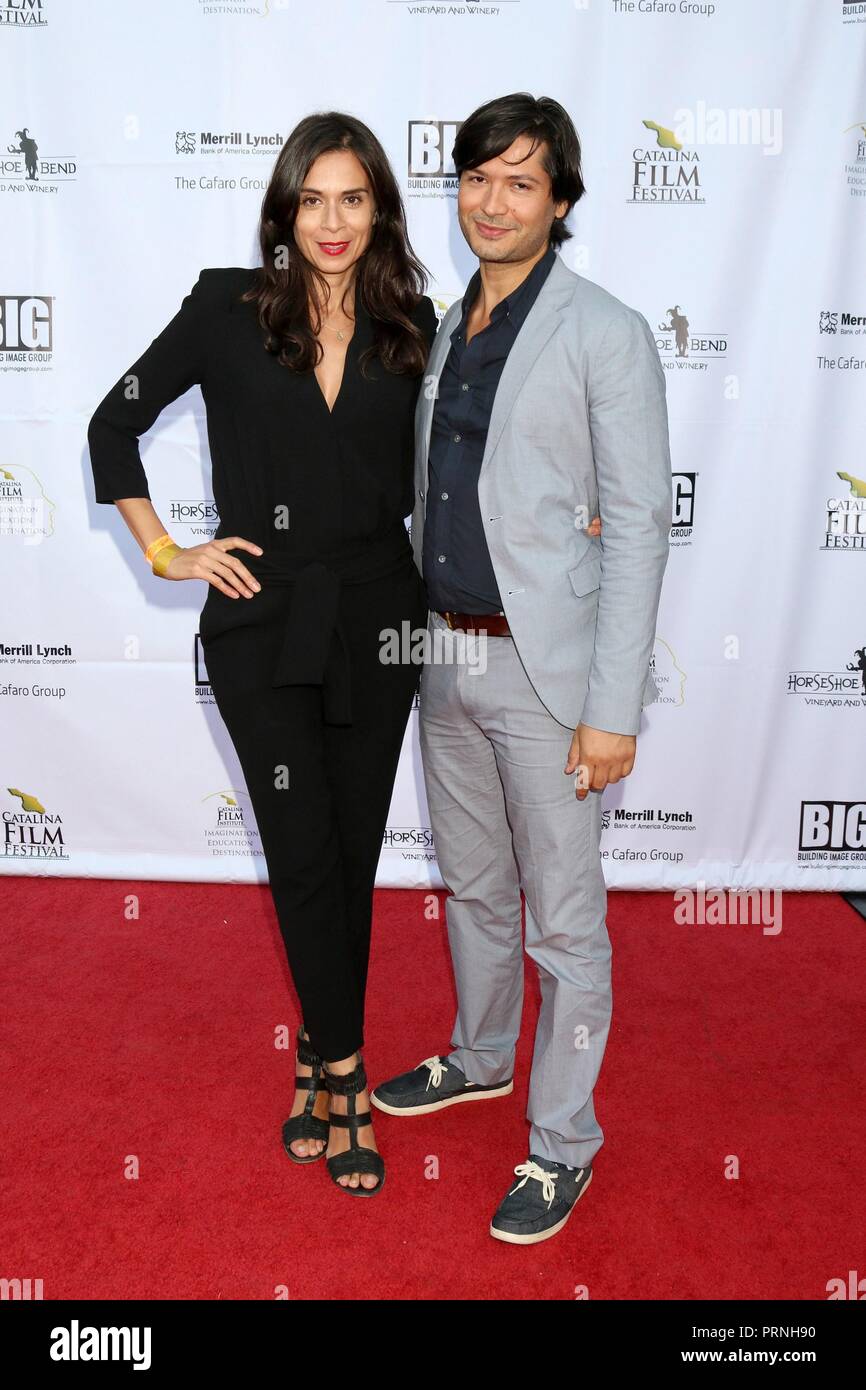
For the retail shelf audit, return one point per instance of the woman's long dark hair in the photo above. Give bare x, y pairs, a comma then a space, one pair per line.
390, 278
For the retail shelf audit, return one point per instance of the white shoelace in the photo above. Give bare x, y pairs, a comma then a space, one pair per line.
437, 1071
547, 1180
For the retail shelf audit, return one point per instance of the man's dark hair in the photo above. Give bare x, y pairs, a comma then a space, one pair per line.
493, 127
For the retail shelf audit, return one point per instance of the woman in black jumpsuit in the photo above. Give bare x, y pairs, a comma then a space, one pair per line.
316, 718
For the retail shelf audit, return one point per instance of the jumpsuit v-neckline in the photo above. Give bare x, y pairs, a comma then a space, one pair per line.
346, 360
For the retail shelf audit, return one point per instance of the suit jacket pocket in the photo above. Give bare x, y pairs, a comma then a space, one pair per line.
586, 576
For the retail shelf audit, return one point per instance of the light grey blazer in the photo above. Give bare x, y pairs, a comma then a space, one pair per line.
578, 427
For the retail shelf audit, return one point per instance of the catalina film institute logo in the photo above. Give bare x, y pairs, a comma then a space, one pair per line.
26, 511
855, 157
225, 830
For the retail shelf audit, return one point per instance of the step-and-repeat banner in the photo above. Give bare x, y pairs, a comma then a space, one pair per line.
724, 148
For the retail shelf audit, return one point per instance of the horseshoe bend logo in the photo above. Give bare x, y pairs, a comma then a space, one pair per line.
832, 688
682, 347
23, 168
478, 9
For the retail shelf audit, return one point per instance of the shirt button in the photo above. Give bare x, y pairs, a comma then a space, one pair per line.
440, 557
457, 439
444, 496
465, 386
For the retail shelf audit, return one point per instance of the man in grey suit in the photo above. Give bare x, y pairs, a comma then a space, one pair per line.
544, 404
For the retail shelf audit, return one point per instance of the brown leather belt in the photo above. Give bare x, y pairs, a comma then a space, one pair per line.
494, 624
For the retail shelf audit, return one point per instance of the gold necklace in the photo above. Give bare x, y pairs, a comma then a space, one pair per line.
339, 332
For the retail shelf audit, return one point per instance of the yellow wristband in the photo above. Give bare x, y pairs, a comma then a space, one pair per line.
164, 539
164, 558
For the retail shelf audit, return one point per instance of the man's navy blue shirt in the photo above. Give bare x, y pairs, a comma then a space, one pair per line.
458, 573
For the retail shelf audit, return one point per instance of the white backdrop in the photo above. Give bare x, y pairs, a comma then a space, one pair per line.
725, 160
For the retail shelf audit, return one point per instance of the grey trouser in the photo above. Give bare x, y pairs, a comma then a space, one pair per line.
504, 816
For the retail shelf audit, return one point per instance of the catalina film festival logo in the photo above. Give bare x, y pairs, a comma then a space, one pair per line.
32, 831
845, 514
663, 171
23, 14
666, 168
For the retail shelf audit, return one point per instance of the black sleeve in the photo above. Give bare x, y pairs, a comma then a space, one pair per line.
170, 366
425, 318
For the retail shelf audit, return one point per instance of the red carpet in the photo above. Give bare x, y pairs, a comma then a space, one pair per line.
154, 1039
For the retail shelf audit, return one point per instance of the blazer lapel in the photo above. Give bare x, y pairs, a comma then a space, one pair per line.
540, 324
429, 392
542, 321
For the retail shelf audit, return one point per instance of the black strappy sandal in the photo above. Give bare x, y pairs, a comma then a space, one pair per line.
355, 1159
307, 1125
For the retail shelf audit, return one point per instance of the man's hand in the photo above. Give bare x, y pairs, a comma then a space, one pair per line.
599, 758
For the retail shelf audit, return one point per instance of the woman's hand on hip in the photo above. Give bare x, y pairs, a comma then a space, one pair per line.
211, 561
